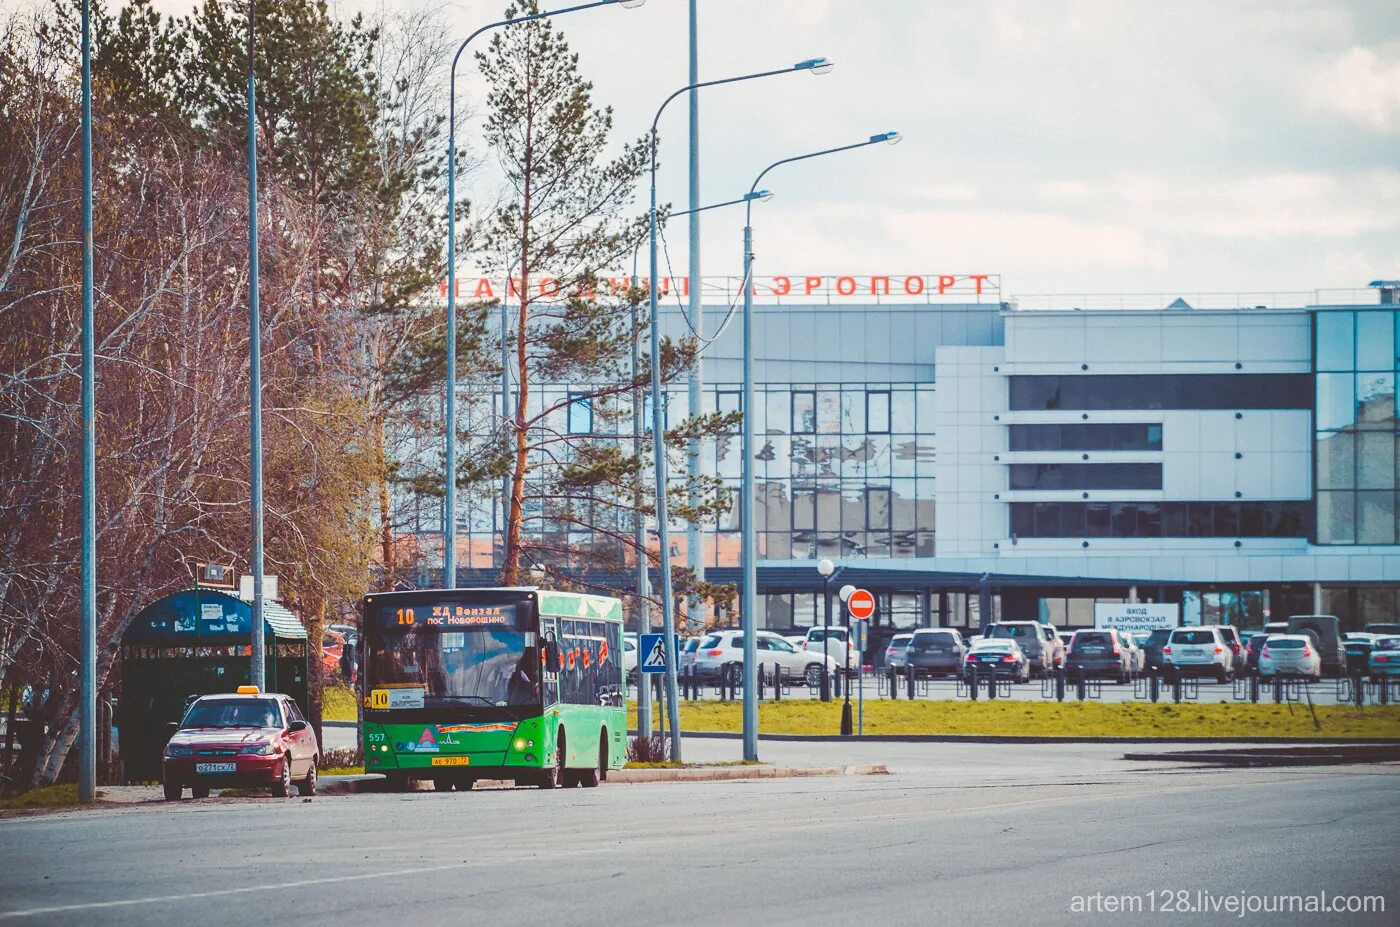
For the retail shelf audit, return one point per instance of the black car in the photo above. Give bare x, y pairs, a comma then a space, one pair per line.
1098, 653
935, 652
1152, 648
1251, 652
1358, 652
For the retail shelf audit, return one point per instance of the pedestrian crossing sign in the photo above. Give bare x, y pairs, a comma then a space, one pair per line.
653, 651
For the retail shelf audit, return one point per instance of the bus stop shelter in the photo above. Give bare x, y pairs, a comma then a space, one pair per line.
197, 642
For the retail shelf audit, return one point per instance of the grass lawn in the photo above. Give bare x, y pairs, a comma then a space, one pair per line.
50, 796
1053, 719
338, 703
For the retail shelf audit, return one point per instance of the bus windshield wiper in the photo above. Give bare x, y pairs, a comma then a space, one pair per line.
480, 698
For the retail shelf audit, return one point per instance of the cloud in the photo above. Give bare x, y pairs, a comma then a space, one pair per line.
1362, 85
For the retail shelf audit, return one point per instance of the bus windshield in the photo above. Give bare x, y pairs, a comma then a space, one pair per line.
491, 668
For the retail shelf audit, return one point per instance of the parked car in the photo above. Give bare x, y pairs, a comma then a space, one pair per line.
1039, 642
1327, 631
1100, 652
935, 652
1251, 650
629, 658
834, 641
1385, 657
1238, 659
1001, 657
246, 739
1276, 627
894, 653
1152, 648
1136, 658
1198, 651
1293, 655
725, 647
1357, 647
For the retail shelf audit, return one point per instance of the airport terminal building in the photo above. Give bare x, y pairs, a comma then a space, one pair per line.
966, 455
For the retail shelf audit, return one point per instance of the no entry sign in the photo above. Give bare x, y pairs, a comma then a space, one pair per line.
861, 604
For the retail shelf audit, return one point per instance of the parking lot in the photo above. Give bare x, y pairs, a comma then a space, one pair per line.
952, 830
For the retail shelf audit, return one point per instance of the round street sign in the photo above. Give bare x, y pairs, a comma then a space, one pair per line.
861, 604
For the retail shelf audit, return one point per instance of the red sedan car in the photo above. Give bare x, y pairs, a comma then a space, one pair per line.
248, 739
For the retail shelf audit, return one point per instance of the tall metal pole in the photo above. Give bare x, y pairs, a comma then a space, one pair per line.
826, 637
695, 552
449, 512
748, 606
644, 727
658, 448
258, 670
748, 540
87, 704
505, 419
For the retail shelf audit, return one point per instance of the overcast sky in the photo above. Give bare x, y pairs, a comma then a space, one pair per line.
1070, 146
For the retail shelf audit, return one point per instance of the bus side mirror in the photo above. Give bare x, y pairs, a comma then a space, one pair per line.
551, 655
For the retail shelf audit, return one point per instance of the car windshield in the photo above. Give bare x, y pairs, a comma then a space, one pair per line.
1091, 640
994, 645
780, 645
1159, 637
231, 713
1193, 637
483, 667
711, 641
1286, 644
900, 640
817, 635
932, 642
1387, 643
1016, 631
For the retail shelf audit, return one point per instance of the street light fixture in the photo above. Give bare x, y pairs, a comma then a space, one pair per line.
749, 594
827, 569
449, 517
658, 433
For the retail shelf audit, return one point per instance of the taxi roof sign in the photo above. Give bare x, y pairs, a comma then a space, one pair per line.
248, 690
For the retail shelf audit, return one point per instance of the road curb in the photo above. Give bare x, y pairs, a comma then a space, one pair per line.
1019, 739
373, 782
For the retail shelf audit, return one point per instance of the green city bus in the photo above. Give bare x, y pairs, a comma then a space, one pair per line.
515, 684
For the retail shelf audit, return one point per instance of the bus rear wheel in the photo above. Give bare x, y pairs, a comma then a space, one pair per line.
589, 778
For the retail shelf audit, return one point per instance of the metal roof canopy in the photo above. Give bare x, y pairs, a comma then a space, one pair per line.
180, 616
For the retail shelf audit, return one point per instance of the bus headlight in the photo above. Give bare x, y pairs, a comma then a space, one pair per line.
521, 743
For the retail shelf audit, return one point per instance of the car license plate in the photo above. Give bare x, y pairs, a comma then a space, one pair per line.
215, 768
452, 761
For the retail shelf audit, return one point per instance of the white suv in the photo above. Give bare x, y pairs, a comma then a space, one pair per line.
1198, 651
725, 647
834, 641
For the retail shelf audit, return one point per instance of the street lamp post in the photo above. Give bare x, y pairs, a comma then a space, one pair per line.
449, 515
644, 726
846, 593
658, 438
746, 521
87, 704
827, 569
258, 668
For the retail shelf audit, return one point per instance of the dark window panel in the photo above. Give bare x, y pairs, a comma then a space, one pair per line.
1088, 436
1166, 391
1170, 519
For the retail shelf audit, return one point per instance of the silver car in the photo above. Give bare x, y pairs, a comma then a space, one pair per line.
726, 648
895, 657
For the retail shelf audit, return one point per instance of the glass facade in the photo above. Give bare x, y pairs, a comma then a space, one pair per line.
841, 472
1356, 356
1086, 476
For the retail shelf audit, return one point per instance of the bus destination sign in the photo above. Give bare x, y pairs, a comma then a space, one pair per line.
428, 614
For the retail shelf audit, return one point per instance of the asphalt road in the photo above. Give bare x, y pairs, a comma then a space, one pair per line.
969, 832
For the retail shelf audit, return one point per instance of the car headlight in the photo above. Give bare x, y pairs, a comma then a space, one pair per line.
178, 750
267, 749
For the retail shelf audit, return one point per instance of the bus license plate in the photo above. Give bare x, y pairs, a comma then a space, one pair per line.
452, 761
215, 767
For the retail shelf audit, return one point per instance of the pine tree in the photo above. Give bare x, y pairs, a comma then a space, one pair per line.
563, 227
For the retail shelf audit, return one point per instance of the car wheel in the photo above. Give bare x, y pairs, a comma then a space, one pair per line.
283, 786
308, 785
174, 791
1222, 674
199, 791
554, 776
814, 676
